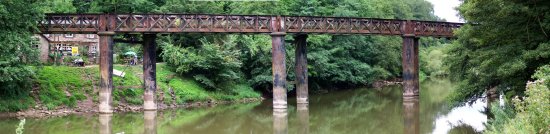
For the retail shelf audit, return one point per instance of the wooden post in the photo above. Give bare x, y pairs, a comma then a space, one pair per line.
105, 124
280, 121
106, 71
150, 122
149, 70
303, 117
410, 66
411, 111
301, 69
279, 70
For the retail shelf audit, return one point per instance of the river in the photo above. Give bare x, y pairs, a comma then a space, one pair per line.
358, 111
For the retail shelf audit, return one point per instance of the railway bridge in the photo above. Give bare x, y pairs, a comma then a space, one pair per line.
107, 25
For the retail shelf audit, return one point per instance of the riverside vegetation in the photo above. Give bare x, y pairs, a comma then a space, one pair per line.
502, 45
65, 86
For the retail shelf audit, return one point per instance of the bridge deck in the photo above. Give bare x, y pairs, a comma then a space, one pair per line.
253, 24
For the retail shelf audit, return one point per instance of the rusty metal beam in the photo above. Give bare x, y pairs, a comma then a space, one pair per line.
149, 70
301, 68
105, 71
211, 23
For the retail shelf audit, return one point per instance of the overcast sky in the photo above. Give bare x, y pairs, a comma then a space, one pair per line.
446, 9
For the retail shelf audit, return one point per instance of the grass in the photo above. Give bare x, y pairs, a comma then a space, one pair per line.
65, 86
11, 104
62, 85
189, 90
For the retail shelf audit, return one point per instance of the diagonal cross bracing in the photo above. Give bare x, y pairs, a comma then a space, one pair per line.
255, 24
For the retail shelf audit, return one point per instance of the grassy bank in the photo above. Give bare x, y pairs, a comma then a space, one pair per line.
62, 86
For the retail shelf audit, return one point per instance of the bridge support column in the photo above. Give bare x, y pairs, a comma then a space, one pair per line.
410, 66
106, 71
301, 69
279, 70
149, 70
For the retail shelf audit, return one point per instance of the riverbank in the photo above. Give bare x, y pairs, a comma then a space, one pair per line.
62, 90
64, 111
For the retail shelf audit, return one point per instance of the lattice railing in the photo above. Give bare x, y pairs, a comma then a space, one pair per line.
207, 23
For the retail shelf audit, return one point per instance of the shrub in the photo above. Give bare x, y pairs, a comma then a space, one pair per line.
533, 113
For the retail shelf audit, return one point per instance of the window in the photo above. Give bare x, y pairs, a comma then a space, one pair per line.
93, 48
69, 35
91, 36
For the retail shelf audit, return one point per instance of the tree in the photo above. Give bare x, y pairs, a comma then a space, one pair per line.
123, 6
500, 47
58, 6
18, 20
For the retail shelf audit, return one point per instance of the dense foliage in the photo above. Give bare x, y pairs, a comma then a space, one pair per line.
334, 61
502, 45
533, 111
17, 22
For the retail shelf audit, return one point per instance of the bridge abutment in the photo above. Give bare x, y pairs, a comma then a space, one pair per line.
149, 70
279, 70
106, 71
301, 69
410, 66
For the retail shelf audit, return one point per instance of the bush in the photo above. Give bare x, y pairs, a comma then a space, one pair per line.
210, 64
533, 113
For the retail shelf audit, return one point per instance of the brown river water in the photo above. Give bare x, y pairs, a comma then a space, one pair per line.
357, 111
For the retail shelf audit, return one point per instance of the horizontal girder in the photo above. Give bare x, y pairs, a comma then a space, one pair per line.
254, 24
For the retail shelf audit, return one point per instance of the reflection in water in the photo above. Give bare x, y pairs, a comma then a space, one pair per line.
280, 121
358, 111
150, 122
303, 118
105, 123
411, 110
462, 119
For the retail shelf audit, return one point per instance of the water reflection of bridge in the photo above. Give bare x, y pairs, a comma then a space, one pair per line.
280, 120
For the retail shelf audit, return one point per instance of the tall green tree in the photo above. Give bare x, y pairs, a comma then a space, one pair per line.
502, 45
18, 21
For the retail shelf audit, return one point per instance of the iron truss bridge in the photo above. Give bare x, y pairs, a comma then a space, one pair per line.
242, 24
